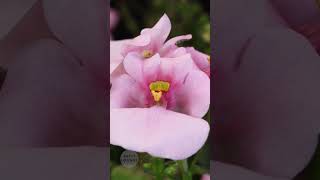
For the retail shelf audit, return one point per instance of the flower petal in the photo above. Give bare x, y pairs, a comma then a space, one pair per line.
157, 131
175, 52
117, 72
200, 59
205, 177
176, 69
126, 93
161, 30
171, 43
151, 68
138, 44
193, 97
115, 54
133, 65
150, 38
82, 26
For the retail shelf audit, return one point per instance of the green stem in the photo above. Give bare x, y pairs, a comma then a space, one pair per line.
158, 166
159, 177
195, 159
183, 165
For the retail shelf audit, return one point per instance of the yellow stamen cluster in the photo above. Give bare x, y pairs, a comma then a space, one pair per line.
147, 53
156, 95
157, 88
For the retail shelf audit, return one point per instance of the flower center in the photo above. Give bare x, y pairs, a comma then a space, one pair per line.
147, 53
157, 88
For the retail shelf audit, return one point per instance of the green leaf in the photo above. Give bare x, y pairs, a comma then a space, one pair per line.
171, 170
122, 173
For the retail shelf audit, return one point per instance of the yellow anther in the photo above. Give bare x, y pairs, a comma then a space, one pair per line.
156, 95
159, 86
209, 59
157, 89
147, 53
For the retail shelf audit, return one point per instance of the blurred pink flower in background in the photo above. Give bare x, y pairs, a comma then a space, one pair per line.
205, 177
114, 18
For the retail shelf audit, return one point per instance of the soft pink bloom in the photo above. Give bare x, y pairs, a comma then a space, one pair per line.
200, 59
157, 106
205, 177
152, 41
113, 18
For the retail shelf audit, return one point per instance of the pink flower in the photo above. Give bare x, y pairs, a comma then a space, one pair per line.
205, 177
152, 41
157, 106
113, 18
115, 54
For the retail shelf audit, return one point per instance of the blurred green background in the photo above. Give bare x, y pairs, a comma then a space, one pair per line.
187, 17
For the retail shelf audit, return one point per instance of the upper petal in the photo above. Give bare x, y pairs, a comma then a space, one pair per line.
157, 131
133, 65
150, 38
171, 43
176, 69
200, 59
137, 44
161, 30
175, 52
193, 97
151, 68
